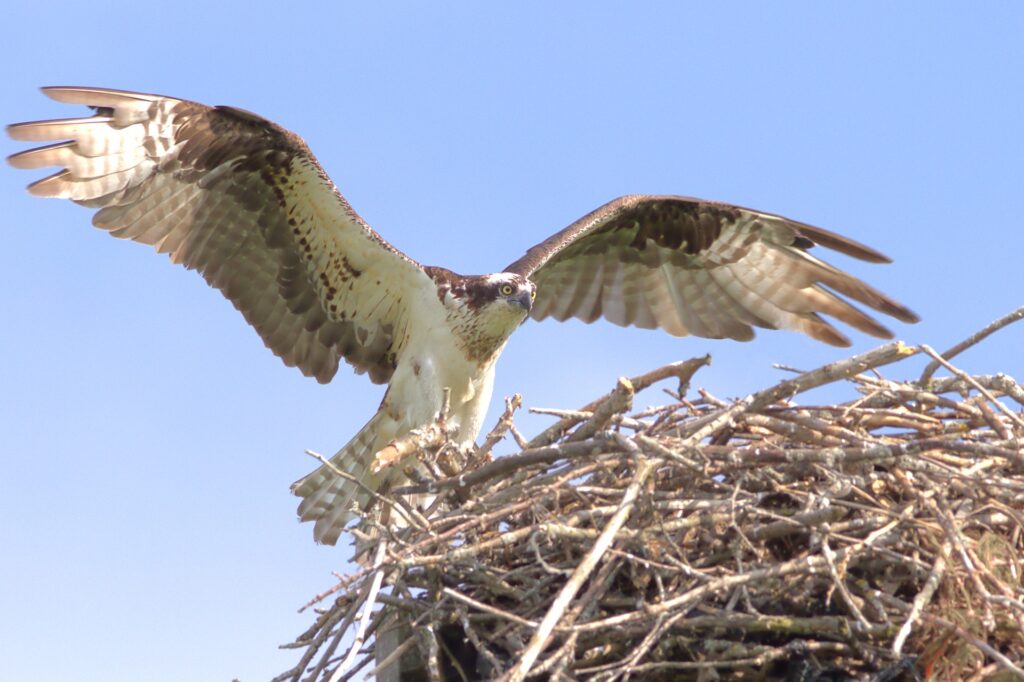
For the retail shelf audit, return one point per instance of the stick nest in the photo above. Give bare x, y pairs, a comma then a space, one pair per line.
756, 539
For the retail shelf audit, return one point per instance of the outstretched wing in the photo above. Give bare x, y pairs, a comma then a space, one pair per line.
698, 267
243, 201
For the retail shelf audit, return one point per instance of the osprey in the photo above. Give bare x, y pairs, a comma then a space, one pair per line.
243, 201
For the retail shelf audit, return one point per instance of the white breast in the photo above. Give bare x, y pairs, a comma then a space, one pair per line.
430, 365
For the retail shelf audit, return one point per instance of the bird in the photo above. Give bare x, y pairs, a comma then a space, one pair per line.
243, 201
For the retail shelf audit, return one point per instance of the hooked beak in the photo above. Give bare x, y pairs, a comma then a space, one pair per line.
524, 300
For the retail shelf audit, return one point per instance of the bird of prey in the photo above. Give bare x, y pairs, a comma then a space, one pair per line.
244, 201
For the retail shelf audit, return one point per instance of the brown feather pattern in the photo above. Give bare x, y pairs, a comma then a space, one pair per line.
697, 267
243, 201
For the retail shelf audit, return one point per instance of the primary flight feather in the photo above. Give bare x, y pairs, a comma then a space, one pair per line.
244, 201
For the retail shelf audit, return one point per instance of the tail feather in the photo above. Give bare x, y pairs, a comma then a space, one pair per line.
332, 500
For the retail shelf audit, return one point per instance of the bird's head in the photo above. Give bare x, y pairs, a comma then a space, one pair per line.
486, 309
505, 288
504, 297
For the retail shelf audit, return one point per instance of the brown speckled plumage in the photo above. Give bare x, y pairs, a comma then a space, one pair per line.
225, 192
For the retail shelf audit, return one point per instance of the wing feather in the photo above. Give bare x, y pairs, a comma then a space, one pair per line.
685, 289
634, 290
725, 308
712, 300
698, 267
243, 201
645, 317
663, 308
797, 292
590, 289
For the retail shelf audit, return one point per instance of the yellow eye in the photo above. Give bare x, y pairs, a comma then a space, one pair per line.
507, 289
533, 295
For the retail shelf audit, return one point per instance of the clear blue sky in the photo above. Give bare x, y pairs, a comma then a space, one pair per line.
148, 438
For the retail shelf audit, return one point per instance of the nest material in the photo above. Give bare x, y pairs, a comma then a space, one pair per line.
758, 539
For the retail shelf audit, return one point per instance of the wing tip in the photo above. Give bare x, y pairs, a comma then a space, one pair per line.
79, 94
839, 243
904, 314
49, 187
820, 330
864, 252
897, 311
37, 157
62, 93
49, 90
18, 161
20, 131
